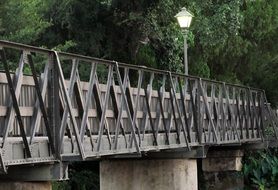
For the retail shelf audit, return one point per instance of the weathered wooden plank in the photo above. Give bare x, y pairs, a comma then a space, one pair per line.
81, 107
183, 127
118, 109
17, 82
183, 100
149, 91
68, 102
15, 103
161, 103
132, 125
65, 120
41, 103
36, 120
207, 109
104, 108
85, 107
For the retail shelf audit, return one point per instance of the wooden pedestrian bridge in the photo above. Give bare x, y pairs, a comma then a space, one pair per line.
61, 107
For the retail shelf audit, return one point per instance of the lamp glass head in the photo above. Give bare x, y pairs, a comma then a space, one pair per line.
184, 18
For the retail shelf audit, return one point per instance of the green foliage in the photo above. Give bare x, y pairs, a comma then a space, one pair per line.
146, 56
22, 21
259, 31
229, 40
261, 170
65, 47
201, 69
165, 35
216, 29
82, 177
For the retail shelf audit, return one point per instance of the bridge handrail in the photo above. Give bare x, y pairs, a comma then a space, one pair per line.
88, 119
20, 46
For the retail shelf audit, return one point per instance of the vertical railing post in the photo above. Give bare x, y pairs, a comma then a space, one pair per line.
54, 104
261, 114
267, 118
198, 110
193, 100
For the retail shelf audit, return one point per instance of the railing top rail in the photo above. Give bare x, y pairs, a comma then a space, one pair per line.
41, 50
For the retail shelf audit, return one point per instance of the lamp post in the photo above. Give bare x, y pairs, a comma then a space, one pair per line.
184, 19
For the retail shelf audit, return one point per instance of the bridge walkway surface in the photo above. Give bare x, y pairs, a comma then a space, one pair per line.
59, 107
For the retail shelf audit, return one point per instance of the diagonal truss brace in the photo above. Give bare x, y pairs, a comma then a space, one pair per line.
70, 108
15, 103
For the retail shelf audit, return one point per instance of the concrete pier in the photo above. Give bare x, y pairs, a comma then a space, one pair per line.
25, 185
156, 174
221, 170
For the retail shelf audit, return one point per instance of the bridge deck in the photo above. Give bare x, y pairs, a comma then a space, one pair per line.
56, 105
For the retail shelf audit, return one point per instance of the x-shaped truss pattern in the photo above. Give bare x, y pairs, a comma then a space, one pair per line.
66, 106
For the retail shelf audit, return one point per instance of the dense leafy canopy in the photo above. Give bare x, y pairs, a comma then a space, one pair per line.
229, 40
234, 41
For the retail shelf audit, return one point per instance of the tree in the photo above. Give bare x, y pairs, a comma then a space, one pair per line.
22, 21
227, 37
260, 32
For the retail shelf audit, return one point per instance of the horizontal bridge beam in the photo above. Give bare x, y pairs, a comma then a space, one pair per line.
76, 107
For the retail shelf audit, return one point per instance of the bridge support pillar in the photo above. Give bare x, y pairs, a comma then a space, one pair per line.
154, 174
221, 170
25, 185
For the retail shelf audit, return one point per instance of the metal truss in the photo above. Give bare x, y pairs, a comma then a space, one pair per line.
57, 106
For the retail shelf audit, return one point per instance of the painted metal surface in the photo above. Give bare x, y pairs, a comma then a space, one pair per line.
57, 106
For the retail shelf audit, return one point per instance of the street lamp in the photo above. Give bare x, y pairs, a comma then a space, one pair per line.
184, 18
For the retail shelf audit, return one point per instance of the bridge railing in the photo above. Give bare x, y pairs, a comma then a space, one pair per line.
68, 106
